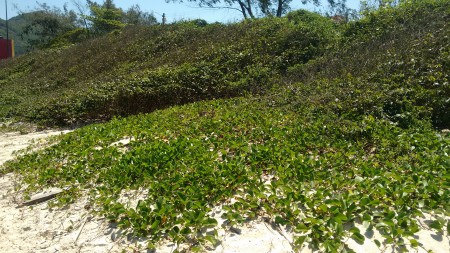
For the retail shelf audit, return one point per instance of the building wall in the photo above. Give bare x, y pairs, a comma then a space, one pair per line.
4, 47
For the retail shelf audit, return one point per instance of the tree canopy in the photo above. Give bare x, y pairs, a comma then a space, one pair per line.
46, 23
51, 26
105, 17
255, 8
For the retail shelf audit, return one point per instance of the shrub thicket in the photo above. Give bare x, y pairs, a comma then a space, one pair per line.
143, 68
394, 64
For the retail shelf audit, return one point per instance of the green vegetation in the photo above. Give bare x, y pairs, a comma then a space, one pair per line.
143, 68
392, 64
338, 125
52, 27
315, 172
267, 8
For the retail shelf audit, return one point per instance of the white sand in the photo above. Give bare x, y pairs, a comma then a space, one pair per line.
73, 229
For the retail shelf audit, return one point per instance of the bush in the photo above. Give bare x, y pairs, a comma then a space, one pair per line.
398, 56
140, 69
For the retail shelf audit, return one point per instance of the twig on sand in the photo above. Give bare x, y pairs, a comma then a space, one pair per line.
42, 197
277, 228
82, 226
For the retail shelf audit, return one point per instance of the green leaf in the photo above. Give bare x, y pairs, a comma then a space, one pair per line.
354, 230
364, 201
300, 240
186, 231
436, 225
366, 217
196, 248
151, 245
210, 222
339, 229
211, 239
301, 227
281, 220
414, 243
340, 217
359, 238
155, 224
390, 215
323, 207
385, 223
377, 242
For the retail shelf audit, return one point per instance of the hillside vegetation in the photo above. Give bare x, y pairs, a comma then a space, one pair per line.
144, 68
397, 54
331, 125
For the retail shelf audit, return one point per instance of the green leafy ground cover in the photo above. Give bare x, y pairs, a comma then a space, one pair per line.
348, 134
317, 173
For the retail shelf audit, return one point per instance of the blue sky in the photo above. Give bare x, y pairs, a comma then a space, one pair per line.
173, 11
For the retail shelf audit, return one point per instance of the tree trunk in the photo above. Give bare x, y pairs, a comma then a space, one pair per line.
244, 12
280, 8
248, 6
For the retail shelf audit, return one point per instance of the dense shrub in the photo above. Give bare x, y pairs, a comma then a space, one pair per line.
140, 69
393, 63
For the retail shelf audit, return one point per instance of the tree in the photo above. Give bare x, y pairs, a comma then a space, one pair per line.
82, 9
370, 5
339, 11
251, 8
52, 27
106, 17
135, 16
46, 23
